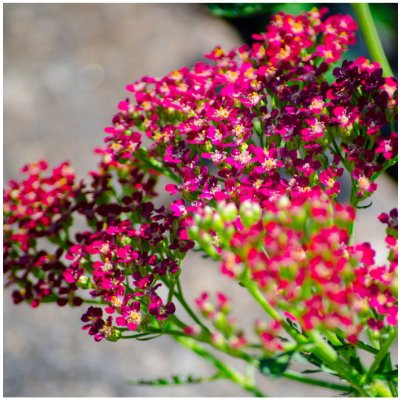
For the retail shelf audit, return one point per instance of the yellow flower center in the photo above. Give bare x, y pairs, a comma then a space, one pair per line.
135, 318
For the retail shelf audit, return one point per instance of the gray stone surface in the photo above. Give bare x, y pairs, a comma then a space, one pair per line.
65, 69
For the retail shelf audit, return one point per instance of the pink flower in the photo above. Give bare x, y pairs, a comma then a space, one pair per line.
131, 316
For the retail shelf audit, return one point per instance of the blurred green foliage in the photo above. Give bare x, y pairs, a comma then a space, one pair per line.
238, 10
249, 18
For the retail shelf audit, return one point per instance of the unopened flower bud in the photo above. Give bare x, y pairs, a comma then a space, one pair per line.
84, 282
260, 326
218, 339
194, 232
114, 336
217, 223
125, 240
224, 325
208, 147
229, 212
379, 389
250, 213
206, 241
283, 202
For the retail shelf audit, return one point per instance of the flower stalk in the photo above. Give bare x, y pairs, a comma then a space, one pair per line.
371, 36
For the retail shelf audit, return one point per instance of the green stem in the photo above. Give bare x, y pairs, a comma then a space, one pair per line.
353, 203
177, 321
321, 348
371, 36
179, 295
291, 375
259, 297
90, 301
336, 148
227, 371
385, 166
250, 360
332, 338
330, 357
143, 156
381, 355
137, 336
295, 376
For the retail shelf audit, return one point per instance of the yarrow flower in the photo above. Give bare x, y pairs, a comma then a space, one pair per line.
37, 207
253, 142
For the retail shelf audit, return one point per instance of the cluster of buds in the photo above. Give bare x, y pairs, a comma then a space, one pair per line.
227, 333
298, 253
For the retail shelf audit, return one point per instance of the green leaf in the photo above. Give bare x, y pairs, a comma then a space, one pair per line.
367, 206
311, 371
274, 367
143, 339
238, 10
388, 374
177, 380
357, 364
292, 8
384, 370
311, 358
258, 127
39, 273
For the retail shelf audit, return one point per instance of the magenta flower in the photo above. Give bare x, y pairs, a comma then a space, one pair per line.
131, 316
96, 326
387, 147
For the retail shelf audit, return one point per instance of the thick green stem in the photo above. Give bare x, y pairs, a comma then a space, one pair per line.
371, 36
331, 360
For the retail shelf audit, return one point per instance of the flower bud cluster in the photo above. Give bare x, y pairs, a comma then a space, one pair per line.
298, 252
226, 331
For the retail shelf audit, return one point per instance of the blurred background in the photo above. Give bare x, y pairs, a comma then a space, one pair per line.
65, 70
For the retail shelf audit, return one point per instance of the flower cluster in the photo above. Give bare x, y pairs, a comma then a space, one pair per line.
298, 253
123, 266
260, 120
36, 208
254, 141
227, 333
